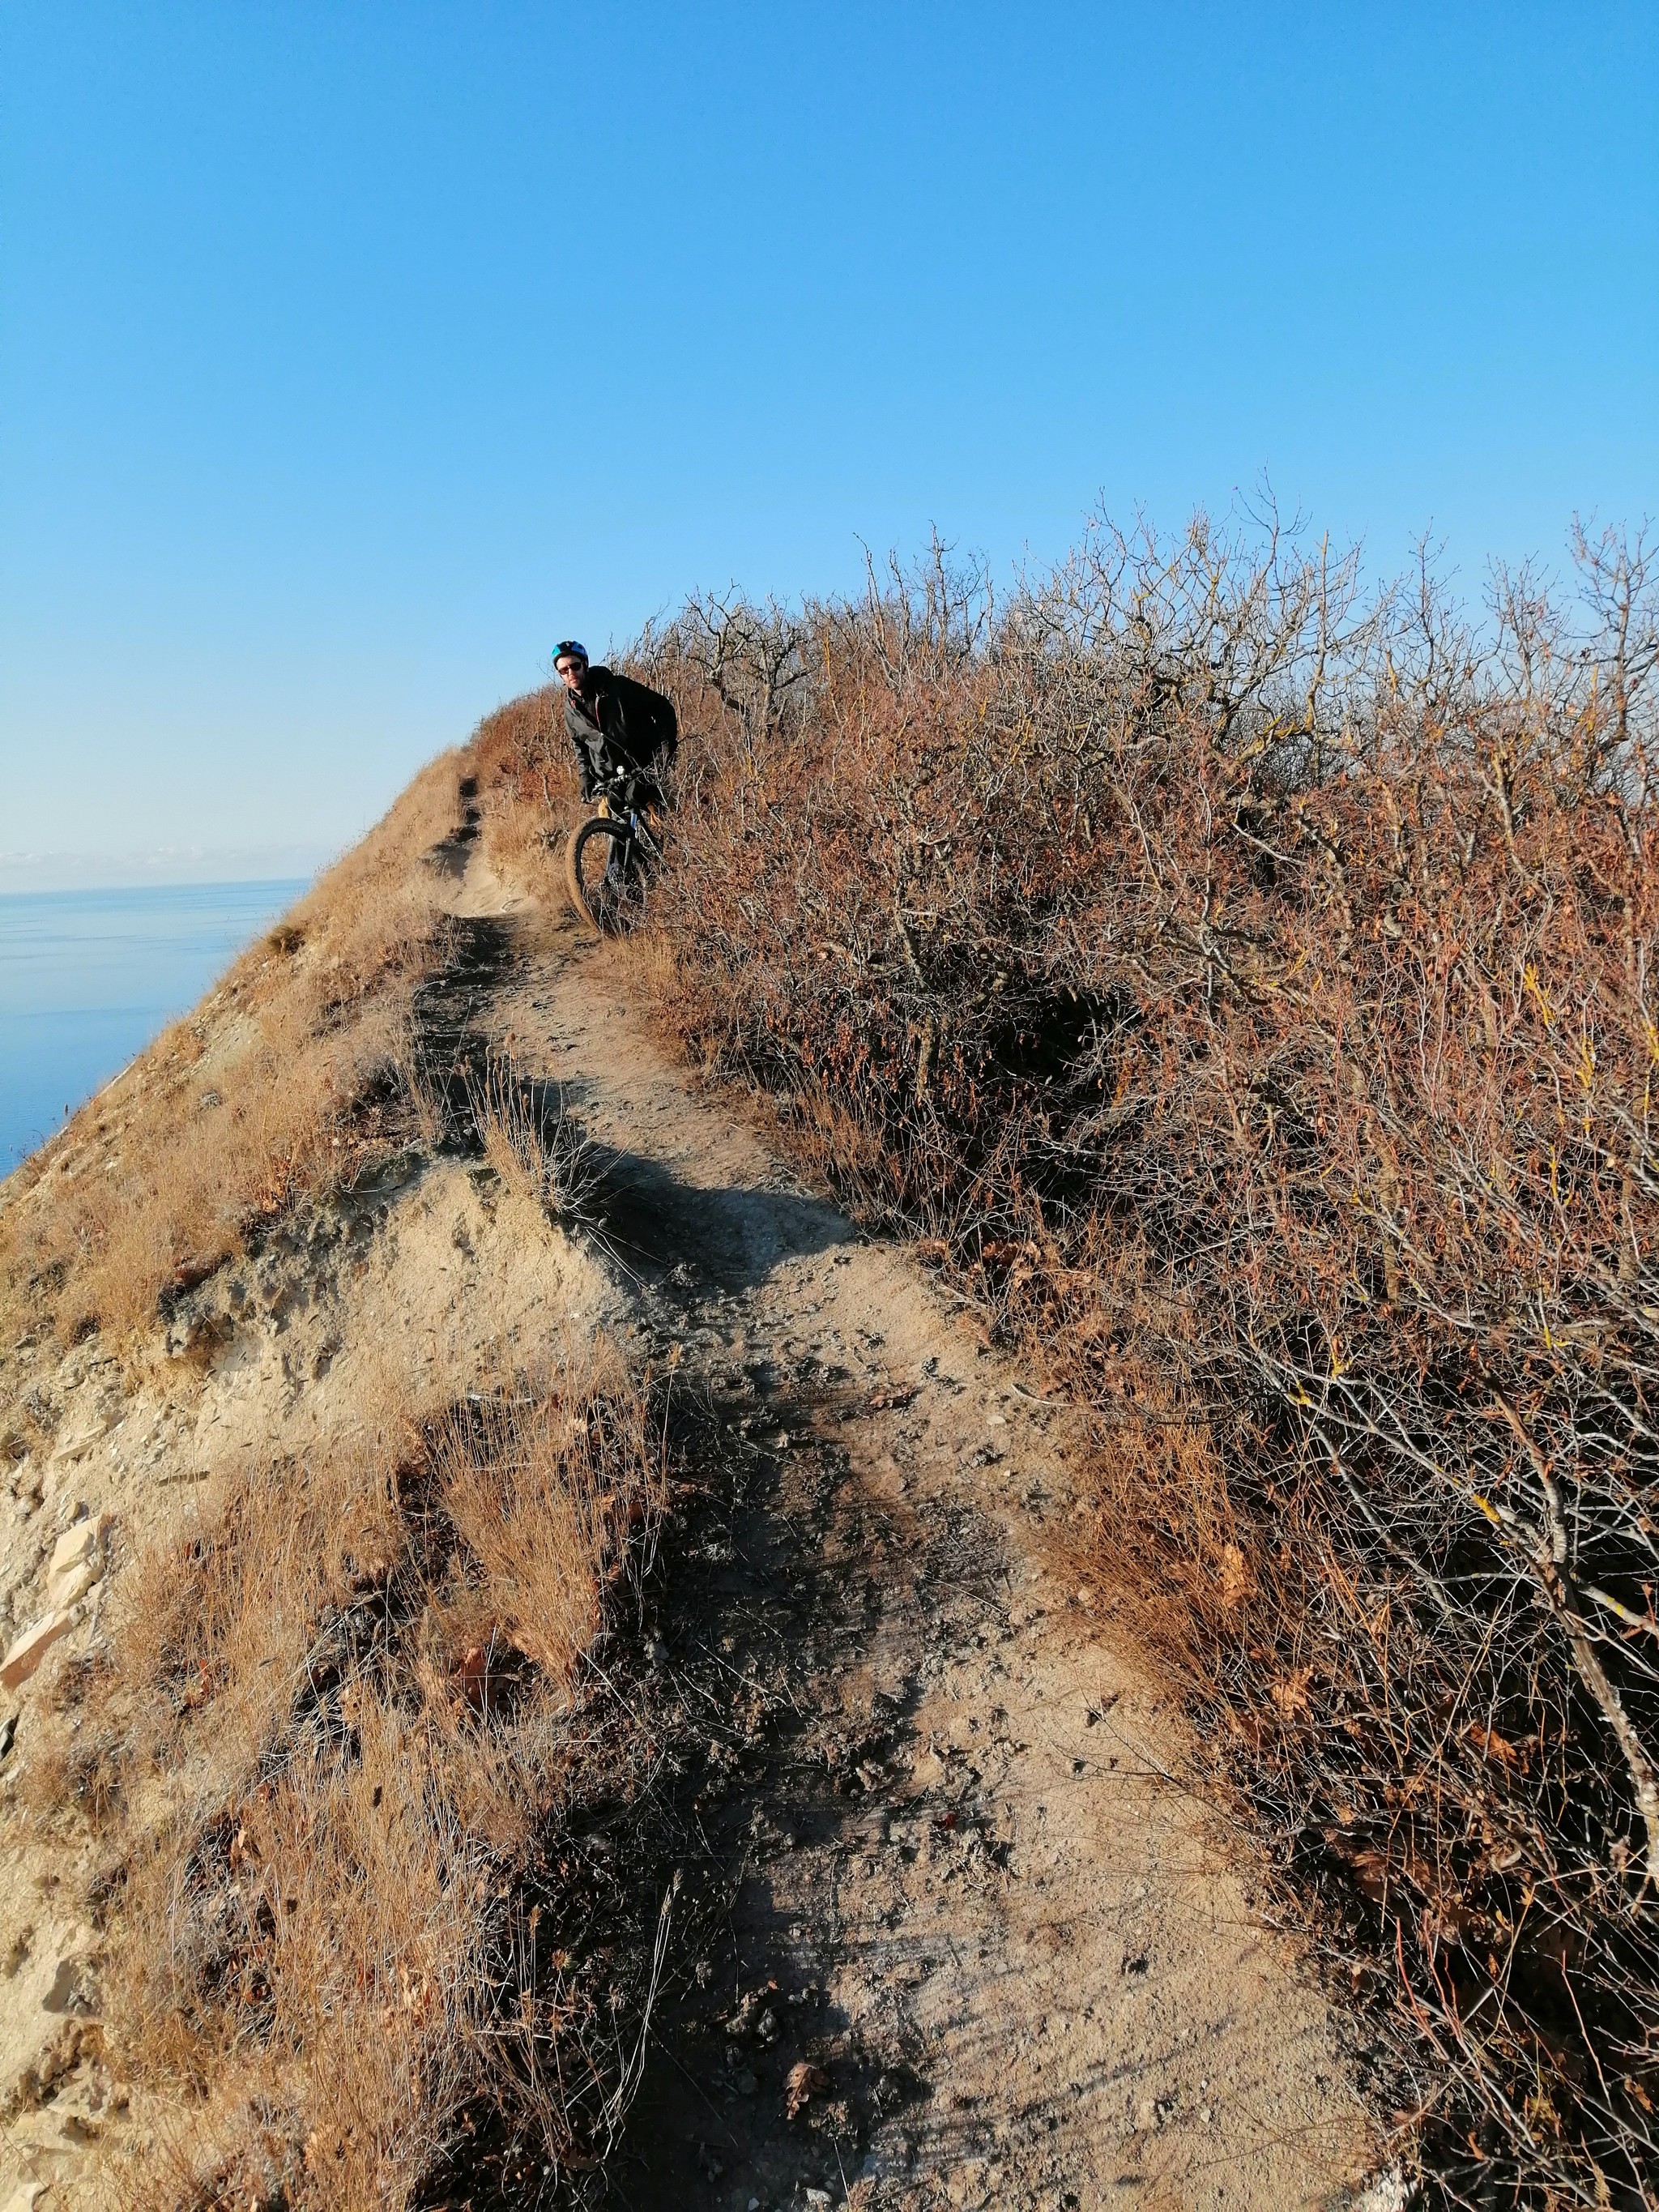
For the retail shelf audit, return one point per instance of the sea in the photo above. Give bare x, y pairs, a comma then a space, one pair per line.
88, 977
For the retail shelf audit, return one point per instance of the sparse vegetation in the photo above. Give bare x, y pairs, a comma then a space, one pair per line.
326, 1755
325, 1742
1245, 989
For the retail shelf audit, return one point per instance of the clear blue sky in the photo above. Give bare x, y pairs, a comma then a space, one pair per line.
350, 353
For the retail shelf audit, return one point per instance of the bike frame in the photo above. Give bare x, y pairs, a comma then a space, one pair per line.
616, 800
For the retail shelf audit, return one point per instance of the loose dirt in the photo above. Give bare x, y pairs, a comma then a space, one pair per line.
945, 1923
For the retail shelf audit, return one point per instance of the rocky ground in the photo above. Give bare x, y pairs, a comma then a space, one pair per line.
945, 1923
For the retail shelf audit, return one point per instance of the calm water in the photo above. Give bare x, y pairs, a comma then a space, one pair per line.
87, 979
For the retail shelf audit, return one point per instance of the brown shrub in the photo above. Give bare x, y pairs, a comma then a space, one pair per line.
528, 790
1246, 989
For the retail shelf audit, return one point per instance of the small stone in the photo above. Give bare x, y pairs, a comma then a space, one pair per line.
969, 2185
1386, 2192
79, 1439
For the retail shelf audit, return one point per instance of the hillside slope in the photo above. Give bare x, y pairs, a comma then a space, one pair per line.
762, 1802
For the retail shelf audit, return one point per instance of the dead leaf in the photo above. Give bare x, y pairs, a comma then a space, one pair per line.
1290, 1692
473, 1675
1495, 1747
1369, 1868
893, 1399
805, 2082
1235, 1580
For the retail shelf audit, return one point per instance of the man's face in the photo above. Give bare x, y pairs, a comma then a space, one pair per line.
571, 671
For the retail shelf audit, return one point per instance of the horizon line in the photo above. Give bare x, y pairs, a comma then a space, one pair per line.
161, 867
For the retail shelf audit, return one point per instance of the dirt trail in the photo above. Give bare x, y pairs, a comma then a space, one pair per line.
932, 1861
929, 1822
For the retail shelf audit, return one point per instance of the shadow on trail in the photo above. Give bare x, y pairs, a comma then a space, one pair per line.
779, 1590
449, 857
731, 1237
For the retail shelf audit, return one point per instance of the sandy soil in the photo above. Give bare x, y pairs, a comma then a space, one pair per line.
951, 1928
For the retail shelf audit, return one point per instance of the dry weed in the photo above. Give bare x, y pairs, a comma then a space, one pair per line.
543, 1497
527, 777
537, 1149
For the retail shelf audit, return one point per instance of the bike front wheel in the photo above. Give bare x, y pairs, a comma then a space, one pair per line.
596, 871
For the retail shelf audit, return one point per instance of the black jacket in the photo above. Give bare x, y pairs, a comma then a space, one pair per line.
615, 723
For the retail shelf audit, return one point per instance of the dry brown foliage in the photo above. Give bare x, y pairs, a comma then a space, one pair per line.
289, 1076
527, 781
337, 1725
1246, 989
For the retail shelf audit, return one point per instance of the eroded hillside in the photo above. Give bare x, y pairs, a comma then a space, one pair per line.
543, 1660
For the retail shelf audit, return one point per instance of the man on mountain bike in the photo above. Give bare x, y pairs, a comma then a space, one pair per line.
616, 725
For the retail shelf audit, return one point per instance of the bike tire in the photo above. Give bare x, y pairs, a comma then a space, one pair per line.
585, 883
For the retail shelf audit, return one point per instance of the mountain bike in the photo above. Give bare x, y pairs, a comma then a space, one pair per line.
607, 857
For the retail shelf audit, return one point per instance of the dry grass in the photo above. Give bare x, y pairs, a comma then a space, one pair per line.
339, 1715
536, 1150
1245, 988
525, 1494
289, 1076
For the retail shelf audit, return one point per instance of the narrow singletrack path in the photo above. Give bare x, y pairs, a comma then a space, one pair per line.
953, 1930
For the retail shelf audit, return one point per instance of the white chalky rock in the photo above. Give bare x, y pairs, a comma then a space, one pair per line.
1387, 2192
81, 1434
77, 1562
30, 1648
65, 1590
